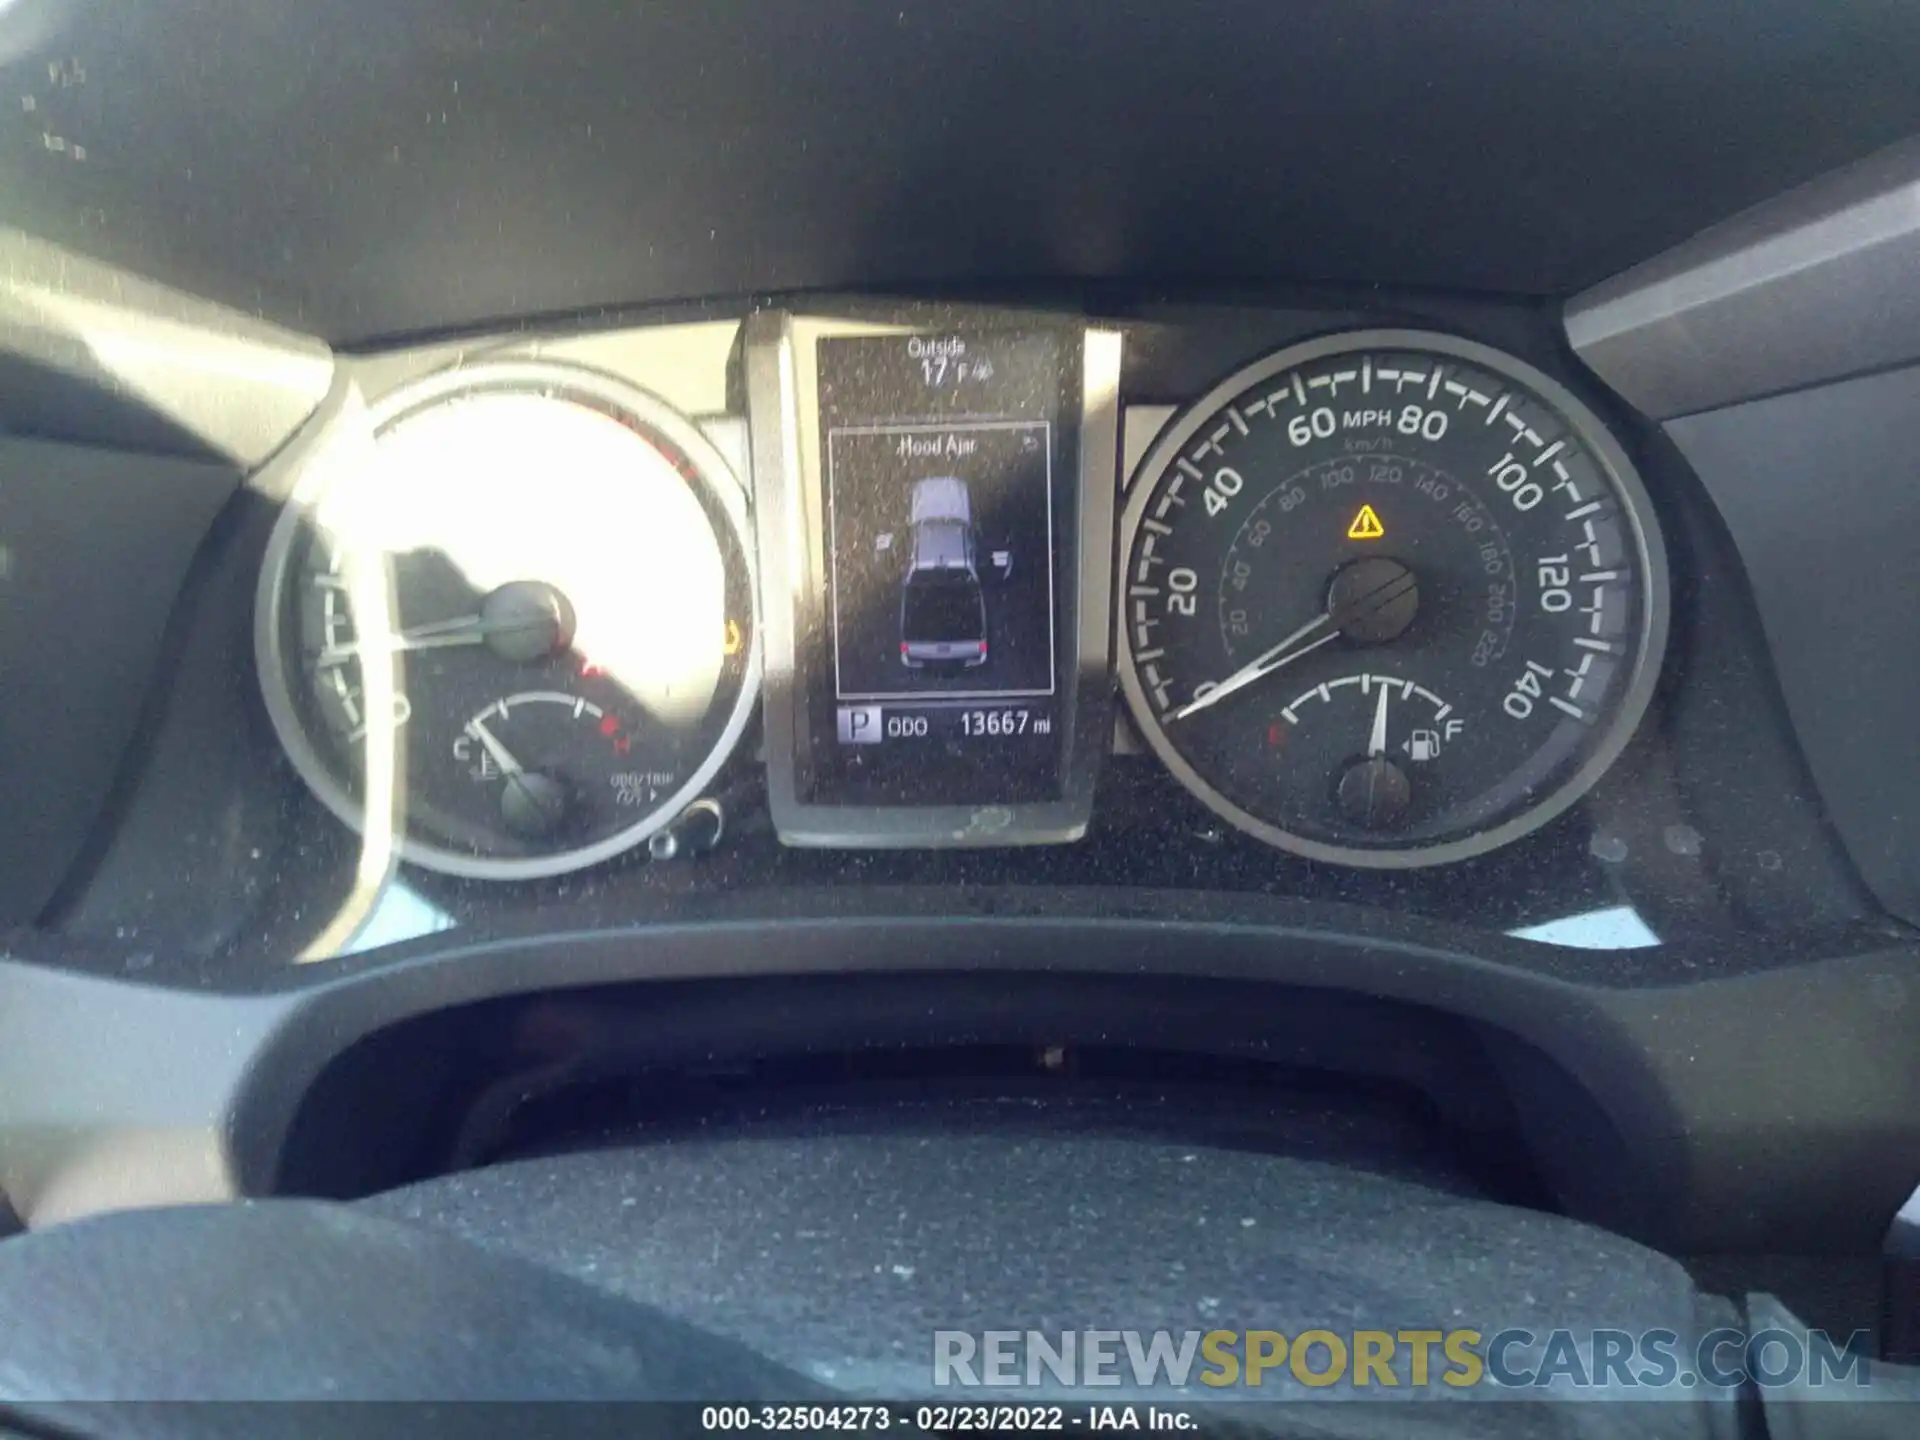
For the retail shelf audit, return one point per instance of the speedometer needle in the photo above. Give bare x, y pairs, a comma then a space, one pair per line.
1370, 601
1261, 665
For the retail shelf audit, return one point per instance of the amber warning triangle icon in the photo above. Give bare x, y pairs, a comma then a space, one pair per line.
1366, 526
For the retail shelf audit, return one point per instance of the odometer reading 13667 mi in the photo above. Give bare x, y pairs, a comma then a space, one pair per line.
1389, 599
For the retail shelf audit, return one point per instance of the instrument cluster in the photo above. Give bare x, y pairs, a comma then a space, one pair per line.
1385, 599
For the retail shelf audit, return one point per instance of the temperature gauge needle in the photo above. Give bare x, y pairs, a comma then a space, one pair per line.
533, 803
502, 756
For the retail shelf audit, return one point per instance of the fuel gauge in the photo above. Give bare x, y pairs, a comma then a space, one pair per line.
1389, 734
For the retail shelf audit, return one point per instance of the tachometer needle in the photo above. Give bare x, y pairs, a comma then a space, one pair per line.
467, 630
1263, 664
1377, 745
524, 621
502, 756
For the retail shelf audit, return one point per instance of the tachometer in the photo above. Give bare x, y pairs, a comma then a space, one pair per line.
525, 591
1389, 599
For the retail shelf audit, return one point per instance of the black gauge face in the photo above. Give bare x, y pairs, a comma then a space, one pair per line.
1389, 599
524, 593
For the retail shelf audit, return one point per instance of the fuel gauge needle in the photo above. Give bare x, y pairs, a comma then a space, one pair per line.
1377, 745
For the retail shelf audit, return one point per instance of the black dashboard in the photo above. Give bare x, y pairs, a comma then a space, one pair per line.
1346, 542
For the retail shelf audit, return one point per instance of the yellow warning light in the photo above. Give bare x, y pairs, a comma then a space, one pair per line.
731, 644
1366, 526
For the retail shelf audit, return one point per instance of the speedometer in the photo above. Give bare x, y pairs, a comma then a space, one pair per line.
1390, 599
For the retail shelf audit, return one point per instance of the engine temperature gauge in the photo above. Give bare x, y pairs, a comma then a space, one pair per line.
548, 764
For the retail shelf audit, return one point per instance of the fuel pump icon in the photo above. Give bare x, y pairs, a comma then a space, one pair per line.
1425, 745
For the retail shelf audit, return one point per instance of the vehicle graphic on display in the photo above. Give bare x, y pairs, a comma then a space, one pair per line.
943, 616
